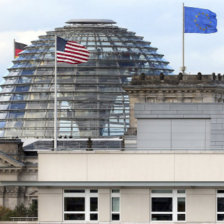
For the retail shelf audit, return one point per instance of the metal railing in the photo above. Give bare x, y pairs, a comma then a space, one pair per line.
16, 219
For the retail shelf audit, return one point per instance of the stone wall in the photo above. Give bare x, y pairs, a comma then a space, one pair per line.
173, 89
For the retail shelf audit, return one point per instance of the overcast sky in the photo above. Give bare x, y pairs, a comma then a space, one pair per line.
158, 21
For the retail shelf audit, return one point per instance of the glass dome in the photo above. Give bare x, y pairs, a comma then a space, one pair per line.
91, 101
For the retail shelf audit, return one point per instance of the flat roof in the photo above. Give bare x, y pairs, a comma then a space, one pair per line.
90, 21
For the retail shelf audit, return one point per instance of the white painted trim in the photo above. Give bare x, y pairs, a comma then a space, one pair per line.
174, 195
87, 195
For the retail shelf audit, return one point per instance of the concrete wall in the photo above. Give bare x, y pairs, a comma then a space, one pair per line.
131, 166
104, 205
135, 205
201, 205
50, 204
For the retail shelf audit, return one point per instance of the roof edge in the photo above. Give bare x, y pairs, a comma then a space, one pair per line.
90, 21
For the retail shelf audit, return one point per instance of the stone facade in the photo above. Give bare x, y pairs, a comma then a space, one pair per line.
16, 166
174, 89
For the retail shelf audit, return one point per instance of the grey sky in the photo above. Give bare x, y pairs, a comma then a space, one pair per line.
159, 21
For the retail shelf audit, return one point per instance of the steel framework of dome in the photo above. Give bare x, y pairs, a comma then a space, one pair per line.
91, 101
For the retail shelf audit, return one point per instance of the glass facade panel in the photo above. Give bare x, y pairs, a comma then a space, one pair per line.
162, 217
96, 102
75, 204
162, 204
115, 204
220, 204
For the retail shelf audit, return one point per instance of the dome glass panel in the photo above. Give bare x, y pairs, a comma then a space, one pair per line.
91, 101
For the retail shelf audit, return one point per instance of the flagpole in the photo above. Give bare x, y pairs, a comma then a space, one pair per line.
183, 64
55, 97
14, 53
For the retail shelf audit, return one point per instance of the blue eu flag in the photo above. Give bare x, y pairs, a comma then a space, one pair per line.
199, 20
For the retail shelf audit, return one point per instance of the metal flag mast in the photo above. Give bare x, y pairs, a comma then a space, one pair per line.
55, 97
14, 50
183, 68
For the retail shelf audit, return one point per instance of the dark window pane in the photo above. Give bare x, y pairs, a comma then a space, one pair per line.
220, 217
165, 217
74, 216
75, 204
17, 106
220, 191
93, 216
115, 191
93, 204
22, 88
220, 204
162, 191
115, 217
181, 217
180, 191
93, 191
181, 204
162, 204
74, 191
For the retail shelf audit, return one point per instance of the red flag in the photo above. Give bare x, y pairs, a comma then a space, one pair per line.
18, 47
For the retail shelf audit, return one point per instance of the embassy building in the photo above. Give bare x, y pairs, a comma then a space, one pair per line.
137, 144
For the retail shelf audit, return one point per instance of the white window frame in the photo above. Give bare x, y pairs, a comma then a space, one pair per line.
115, 195
86, 195
174, 195
219, 195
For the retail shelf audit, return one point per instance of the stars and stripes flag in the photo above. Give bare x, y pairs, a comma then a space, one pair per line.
71, 52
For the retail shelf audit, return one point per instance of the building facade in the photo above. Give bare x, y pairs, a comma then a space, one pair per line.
155, 147
170, 168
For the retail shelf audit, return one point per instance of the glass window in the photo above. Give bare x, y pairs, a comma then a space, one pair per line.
27, 72
168, 205
115, 204
80, 204
220, 205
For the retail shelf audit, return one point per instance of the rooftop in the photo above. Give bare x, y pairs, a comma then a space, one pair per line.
91, 21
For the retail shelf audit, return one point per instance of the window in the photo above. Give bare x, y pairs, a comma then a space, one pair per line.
115, 205
220, 205
168, 205
34, 206
80, 204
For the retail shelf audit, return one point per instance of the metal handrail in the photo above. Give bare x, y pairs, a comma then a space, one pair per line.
24, 218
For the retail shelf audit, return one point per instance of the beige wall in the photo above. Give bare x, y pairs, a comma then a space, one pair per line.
131, 166
104, 205
50, 204
135, 205
201, 205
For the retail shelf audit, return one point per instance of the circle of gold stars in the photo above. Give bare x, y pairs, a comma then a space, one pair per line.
196, 21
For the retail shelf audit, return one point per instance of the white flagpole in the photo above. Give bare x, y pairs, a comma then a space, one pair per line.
183, 65
55, 97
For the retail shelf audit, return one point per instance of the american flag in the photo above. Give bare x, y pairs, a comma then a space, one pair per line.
71, 52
